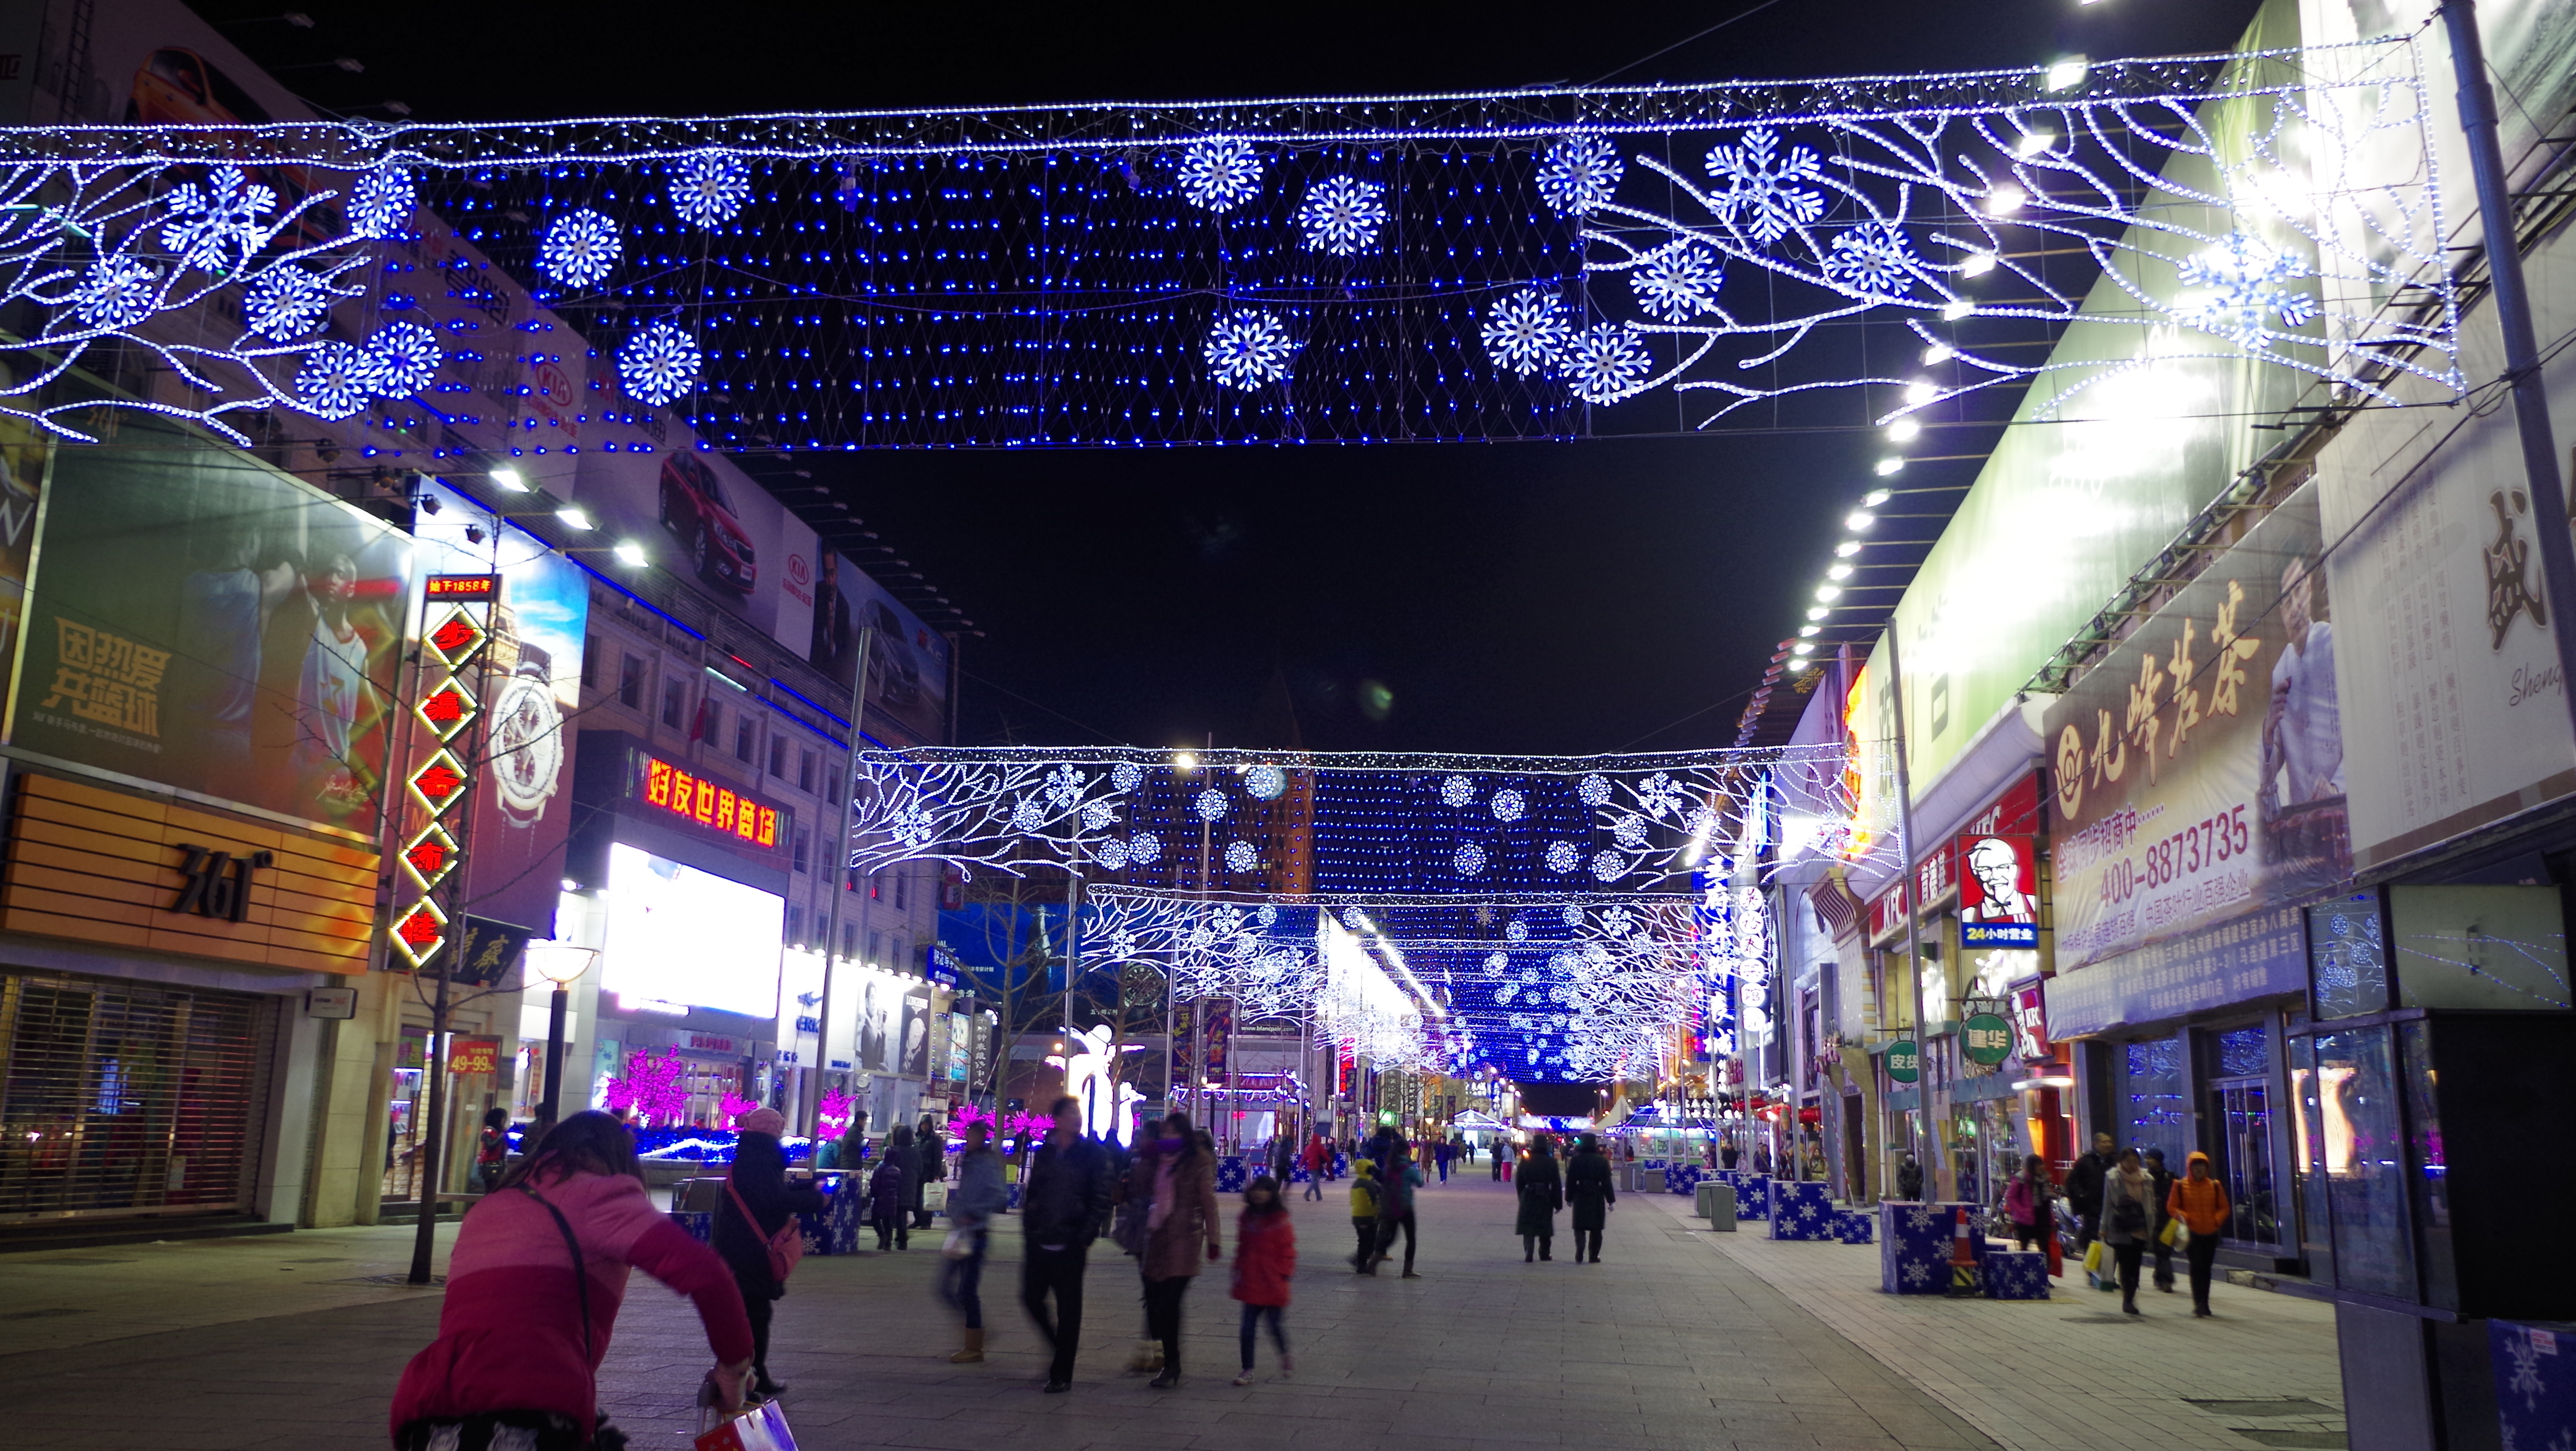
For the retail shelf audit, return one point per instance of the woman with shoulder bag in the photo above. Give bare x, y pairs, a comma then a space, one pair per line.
2128, 1218
757, 1208
2026, 1202
1181, 1216
533, 1289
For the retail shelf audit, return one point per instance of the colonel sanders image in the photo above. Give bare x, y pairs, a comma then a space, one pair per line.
1997, 868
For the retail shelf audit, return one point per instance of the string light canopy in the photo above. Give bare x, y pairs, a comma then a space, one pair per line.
1357, 269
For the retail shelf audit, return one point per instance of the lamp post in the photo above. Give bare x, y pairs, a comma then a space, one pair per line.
561, 964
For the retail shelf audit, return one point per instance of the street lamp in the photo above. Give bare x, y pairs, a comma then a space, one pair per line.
562, 964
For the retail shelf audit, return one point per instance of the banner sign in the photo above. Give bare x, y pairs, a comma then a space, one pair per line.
2199, 767
1998, 892
2030, 1022
2261, 955
473, 1055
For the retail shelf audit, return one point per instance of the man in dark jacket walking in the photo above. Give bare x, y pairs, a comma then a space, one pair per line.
1062, 1207
2084, 1189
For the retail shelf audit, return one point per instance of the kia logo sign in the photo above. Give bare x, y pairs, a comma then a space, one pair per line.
798, 570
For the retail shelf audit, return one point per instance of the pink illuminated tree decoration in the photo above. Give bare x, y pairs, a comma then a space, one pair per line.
735, 1106
651, 1089
832, 1116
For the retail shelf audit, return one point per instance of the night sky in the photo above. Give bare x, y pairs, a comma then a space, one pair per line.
1523, 597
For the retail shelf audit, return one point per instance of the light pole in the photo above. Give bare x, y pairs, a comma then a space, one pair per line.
562, 964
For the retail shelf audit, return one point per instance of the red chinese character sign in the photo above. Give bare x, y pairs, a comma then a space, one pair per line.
1998, 892
438, 783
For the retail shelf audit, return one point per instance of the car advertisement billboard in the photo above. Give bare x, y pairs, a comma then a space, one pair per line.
530, 688
2199, 767
907, 662
698, 515
204, 622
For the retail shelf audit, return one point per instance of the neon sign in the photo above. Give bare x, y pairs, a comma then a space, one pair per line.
708, 804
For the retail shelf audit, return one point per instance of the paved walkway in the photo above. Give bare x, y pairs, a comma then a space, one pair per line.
1682, 1340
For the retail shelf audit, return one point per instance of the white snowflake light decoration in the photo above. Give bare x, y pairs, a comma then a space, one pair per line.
707, 189
1508, 805
1249, 351
1457, 791
1242, 856
1145, 849
1595, 789
2244, 276
1111, 854
1210, 804
1767, 192
580, 249
1515, 930
1677, 280
1608, 865
402, 359
381, 203
285, 302
333, 381
1469, 860
1563, 857
217, 226
1579, 173
1571, 914
659, 363
1126, 776
1607, 362
116, 292
1265, 783
1872, 259
1342, 215
1527, 330
1218, 176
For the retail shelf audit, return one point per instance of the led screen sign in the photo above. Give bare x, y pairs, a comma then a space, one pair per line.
680, 935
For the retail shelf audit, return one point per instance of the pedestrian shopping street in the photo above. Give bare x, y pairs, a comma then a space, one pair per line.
1681, 1338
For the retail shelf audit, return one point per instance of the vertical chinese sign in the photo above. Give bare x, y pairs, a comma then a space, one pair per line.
454, 632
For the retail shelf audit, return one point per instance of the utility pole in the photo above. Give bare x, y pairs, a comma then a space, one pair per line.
840, 875
1913, 907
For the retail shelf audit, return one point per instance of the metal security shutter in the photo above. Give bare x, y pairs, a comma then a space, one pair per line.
122, 1098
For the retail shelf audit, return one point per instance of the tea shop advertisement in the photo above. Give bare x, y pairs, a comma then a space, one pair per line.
201, 621
2199, 767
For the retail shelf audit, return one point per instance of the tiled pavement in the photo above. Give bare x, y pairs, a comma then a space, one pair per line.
1682, 1340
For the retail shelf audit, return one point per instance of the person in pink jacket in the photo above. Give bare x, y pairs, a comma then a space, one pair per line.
521, 1334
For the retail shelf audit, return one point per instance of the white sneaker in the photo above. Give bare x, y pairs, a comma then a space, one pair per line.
1244, 1379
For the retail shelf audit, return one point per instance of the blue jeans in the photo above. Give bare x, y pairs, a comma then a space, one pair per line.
961, 1279
1251, 1321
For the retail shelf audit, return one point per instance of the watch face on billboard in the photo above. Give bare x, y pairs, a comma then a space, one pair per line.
1998, 892
682, 936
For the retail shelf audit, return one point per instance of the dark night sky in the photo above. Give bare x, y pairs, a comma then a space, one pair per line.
1526, 597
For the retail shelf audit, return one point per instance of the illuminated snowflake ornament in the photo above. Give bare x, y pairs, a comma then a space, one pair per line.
1595, 790
1210, 804
1526, 330
1609, 866
402, 359
1767, 192
1676, 280
1249, 351
381, 203
1218, 176
333, 381
1515, 931
1126, 776
217, 225
1111, 854
1563, 857
1579, 173
1145, 849
1872, 260
1242, 856
709, 188
1469, 860
117, 291
1606, 362
286, 302
580, 249
1457, 791
1342, 215
2244, 277
1266, 783
1508, 805
659, 363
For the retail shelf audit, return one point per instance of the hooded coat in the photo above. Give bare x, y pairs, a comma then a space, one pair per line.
759, 1176
1542, 1191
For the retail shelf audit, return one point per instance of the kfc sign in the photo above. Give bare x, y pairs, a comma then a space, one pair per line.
2030, 1023
1998, 892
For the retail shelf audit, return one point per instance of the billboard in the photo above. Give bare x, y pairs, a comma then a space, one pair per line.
698, 515
677, 935
204, 622
1998, 892
2199, 767
531, 686
907, 662
24, 455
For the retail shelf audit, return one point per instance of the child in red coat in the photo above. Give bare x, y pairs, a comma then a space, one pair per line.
1265, 1256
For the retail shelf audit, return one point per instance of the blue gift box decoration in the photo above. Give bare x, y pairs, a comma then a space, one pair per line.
1753, 1197
2015, 1274
1914, 1245
1853, 1226
701, 1225
1341, 1166
1684, 1179
1801, 1211
2535, 1381
1230, 1175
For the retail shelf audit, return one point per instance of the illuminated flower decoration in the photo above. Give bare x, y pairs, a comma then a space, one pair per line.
333, 381
117, 291
1266, 783
708, 188
1630, 832
1096, 815
1469, 860
1457, 791
1210, 804
1872, 259
1110, 854
1516, 931
1767, 191
1677, 280
1579, 173
1220, 175
381, 204
402, 359
1495, 964
1606, 362
659, 363
1609, 866
1595, 789
580, 249
1342, 215
1126, 775
1562, 857
2244, 276
1615, 921
1508, 805
1571, 915
1242, 856
217, 225
1028, 814
286, 302
1249, 351
1526, 330
1145, 849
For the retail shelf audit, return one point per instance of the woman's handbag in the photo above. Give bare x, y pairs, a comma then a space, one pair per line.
2177, 1235
785, 1247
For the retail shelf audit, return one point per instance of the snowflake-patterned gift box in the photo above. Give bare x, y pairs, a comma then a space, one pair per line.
1230, 1175
1914, 1245
2016, 1274
1684, 1178
2535, 1382
843, 1215
700, 1224
1297, 1174
1801, 1211
1752, 1197
1853, 1226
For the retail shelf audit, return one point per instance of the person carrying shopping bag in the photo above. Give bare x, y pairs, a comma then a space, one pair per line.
1265, 1258
2200, 1202
757, 1206
2127, 1220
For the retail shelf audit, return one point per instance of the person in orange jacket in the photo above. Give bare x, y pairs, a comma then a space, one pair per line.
2200, 1202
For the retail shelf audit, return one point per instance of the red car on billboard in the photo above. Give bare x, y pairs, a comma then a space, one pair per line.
696, 511
178, 87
